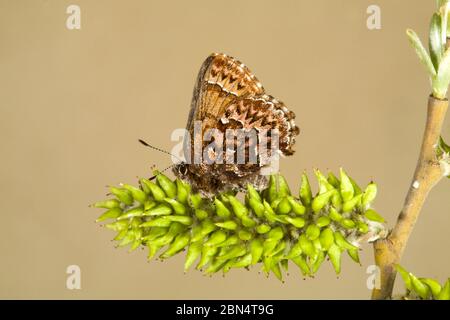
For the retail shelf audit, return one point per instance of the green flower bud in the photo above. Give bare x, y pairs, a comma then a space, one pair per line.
349, 205
256, 250
253, 194
205, 228
405, 276
333, 180
305, 191
369, 194
248, 222
149, 204
362, 227
312, 232
295, 250
354, 254
207, 255
216, 238
112, 213
346, 187
269, 213
169, 187
195, 200
336, 201
275, 268
121, 235
347, 223
318, 262
284, 206
372, 215
107, 204
324, 185
153, 249
230, 241
118, 225
221, 210
302, 264
276, 234
215, 266
144, 187
307, 246
122, 195
180, 242
243, 261
155, 190
445, 292
297, 222
233, 252
136, 193
263, 228
323, 221
229, 225
158, 222
355, 186
434, 286
334, 252
154, 233
201, 214
185, 220
272, 190
160, 210
238, 208
257, 207
245, 235
178, 207
334, 215
183, 191
283, 187
420, 288
326, 238
340, 240
133, 212
320, 201
297, 208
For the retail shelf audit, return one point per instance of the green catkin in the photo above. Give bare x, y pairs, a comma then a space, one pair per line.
270, 228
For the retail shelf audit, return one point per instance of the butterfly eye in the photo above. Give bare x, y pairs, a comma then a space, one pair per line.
182, 169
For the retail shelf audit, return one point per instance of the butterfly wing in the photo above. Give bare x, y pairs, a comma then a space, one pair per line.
221, 79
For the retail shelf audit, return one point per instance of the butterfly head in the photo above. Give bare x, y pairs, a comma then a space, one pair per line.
180, 170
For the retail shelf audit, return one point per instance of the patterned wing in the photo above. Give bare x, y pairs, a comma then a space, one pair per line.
263, 113
221, 80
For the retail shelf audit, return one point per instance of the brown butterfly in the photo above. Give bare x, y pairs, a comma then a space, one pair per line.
227, 97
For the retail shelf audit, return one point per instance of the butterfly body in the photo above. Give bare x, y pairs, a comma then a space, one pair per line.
228, 98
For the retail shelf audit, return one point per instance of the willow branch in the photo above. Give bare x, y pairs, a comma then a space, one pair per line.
389, 251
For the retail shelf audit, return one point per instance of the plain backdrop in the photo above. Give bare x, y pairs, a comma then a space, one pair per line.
74, 102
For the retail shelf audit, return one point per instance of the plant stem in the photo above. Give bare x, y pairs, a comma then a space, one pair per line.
388, 252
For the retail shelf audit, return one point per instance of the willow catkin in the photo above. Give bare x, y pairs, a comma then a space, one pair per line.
269, 228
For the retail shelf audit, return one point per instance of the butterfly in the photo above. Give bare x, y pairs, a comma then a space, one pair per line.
227, 97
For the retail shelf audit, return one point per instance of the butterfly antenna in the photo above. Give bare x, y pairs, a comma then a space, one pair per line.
154, 176
160, 150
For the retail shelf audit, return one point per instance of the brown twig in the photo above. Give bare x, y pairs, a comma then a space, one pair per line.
388, 252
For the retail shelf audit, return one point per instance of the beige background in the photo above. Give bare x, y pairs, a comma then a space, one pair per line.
74, 103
